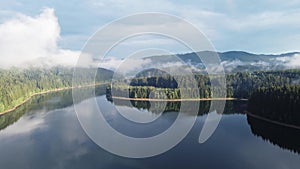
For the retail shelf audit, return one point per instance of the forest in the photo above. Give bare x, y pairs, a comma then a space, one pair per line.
238, 85
274, 95
16, 85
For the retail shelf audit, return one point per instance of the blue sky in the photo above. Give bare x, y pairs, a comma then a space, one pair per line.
267, 26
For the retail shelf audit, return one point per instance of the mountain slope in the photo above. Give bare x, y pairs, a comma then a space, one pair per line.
233, 61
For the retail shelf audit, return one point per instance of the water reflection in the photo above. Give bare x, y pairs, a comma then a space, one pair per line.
284, 137
46, 134
46, 102
231, 107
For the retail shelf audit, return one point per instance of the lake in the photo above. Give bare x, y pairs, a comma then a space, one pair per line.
45, 133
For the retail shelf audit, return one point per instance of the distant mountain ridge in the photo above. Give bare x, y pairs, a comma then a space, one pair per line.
233, 61
230, 55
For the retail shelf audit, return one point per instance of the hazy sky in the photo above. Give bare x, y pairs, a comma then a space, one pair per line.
266, 26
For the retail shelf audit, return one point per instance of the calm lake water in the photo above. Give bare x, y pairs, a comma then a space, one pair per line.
45, 134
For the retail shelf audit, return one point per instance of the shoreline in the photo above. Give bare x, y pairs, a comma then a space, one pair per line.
114, 97
46, 92
272, 121
177, 100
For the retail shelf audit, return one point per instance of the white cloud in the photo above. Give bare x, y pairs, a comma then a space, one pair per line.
209, 20
132, 66
125, 7
110, 63
230, 24
124, 66
33, 41
290, 62
231, 65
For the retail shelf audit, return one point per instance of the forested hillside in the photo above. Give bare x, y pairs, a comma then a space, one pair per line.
239, 85
16, 85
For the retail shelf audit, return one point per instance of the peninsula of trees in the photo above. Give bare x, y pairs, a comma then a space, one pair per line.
263, 88
238, 85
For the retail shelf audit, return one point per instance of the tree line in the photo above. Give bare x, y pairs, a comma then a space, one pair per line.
238, 85
18, 84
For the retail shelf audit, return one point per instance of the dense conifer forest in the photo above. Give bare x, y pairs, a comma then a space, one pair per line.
239, 85
16, 85
262, 87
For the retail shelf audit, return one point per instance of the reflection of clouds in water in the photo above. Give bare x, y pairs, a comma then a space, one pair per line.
24, 126
54, 100
121, 122
65, 145
42, 137
57, 141
137, 115
68, 140
267, 155
53, 139
252, 150
234, 146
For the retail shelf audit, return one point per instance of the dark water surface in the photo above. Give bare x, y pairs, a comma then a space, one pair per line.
45, 134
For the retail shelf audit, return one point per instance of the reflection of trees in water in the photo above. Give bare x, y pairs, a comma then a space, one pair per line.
278, 103
284, 137
47, 102
231, 107
158, 106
